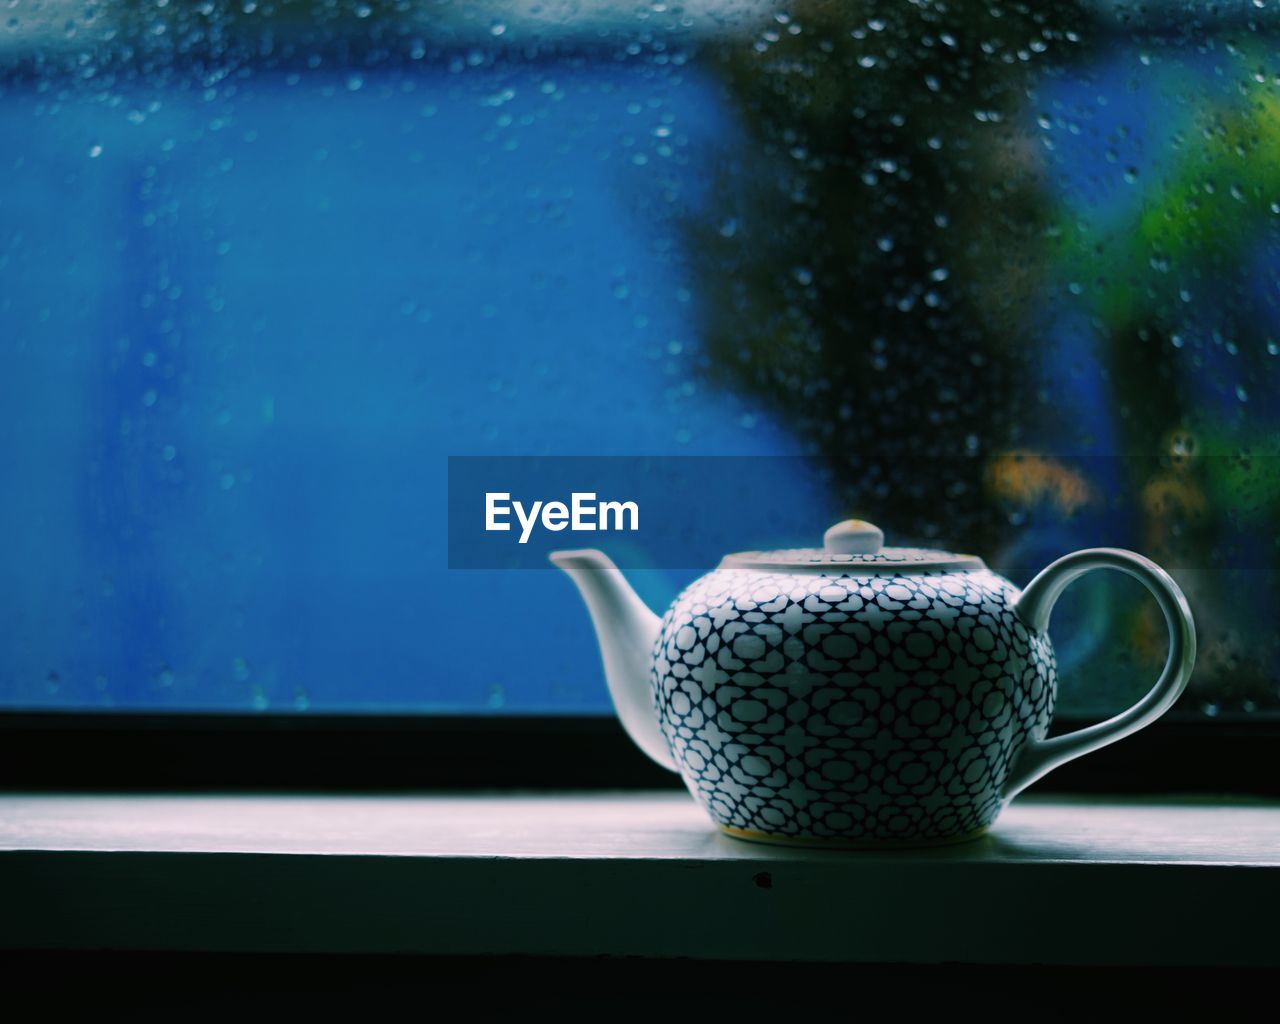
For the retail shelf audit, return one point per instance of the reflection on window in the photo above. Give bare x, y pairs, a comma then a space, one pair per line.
1010, 270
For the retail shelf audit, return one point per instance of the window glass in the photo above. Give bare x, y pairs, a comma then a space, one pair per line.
1005, 274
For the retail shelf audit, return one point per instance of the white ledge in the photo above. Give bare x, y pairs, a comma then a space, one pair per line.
1158, 881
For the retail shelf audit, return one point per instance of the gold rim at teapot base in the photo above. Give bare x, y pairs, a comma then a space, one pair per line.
837, 843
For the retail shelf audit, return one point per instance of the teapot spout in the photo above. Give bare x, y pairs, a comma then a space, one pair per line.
626, 630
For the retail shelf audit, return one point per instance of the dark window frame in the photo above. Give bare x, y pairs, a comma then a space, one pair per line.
126, 751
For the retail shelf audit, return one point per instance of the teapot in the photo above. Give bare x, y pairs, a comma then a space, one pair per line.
857, 695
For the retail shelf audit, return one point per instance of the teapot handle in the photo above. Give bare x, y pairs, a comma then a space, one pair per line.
1038, 757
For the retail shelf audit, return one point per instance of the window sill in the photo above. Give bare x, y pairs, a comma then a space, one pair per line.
1058, 881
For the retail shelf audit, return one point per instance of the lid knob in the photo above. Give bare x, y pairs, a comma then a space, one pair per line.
853, 537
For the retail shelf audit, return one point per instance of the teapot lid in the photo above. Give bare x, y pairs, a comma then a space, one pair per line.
854, 545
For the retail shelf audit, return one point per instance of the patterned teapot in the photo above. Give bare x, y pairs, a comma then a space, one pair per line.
857, 695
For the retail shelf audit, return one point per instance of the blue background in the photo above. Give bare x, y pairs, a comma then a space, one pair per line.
243, 327
241, 337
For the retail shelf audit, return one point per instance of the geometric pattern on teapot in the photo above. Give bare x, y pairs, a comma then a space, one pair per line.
854, 708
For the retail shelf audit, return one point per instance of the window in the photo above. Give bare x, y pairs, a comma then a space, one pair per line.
1001, 275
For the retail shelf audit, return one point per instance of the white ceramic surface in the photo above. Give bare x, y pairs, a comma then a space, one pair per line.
855, 694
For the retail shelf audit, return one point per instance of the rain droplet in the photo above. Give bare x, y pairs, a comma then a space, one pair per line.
95, 151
